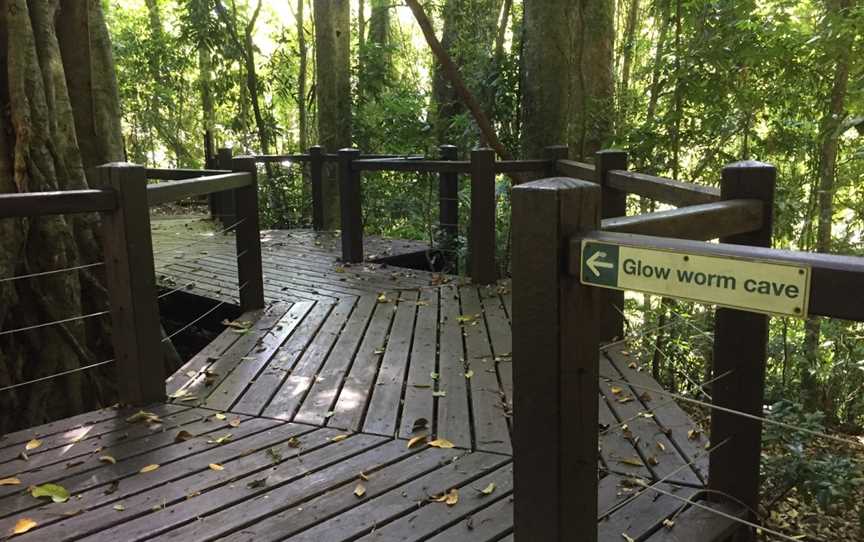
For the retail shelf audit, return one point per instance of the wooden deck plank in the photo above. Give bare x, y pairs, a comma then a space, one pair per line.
655, 449
294, 389
87, 425
419, 402
390, 492
489, 408
212, 374
317, 405
93, 439
501, 339
260, 391
643, 515
131, 457
667, 414
205, 357
384, 408
246, 479
453, 411
472, 518
616, 451
357, 385
281, 511
223, 395
172, 483
699, 524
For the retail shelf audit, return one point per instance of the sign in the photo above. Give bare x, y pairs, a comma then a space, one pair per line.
739, 283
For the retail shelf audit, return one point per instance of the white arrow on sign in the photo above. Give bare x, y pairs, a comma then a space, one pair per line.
595, 261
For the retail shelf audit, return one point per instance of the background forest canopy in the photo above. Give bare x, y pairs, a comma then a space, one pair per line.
685, 86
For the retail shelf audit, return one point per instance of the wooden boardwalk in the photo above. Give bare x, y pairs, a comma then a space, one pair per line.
299, 265
373, 413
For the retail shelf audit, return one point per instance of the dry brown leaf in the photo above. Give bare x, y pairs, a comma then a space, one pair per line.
183, 436
488, 489
107, 459
235, 422
668, 523
339, 438
216, 466
363, 476
219, 416
360, 490
10, 481
632, 461
616, 390
661, 446
450, 498
441, 443
148, 468
33, 444
23, 525
119, 507
417, 440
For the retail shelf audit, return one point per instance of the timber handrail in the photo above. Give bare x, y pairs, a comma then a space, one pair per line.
412, 165
697, 222
57, 203
576, 170
166, 192
661, 189
165, 174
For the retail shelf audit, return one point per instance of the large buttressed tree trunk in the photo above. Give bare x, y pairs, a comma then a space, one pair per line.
333, 88
60, 116
546, 62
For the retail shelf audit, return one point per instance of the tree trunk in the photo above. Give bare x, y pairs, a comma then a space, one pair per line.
627, 50
445, 103
830, 134
60, 115
593, 82
333, 88
303, 52
546, 59
502, 31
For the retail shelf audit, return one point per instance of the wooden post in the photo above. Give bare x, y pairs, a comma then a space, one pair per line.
316, 169
224, 200
448, 209
131, 282
555, 153
209, 152
351, 213
740, 348
482, 242
614, 204
555, 364
250, 275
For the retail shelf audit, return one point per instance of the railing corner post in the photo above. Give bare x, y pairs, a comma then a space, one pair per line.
614, 205
131, 283
555, 153
482, 242
222, 203
250, 276
448, 208
351, 210
740, 354
316, 172
555, 364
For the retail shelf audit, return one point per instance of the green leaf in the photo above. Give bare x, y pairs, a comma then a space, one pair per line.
57, 493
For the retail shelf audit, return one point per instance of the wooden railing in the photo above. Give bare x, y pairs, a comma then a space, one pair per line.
122, 200
558, 327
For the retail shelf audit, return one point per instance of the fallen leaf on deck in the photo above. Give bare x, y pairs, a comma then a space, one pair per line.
434, 375
144, 416
33, 444
363, 476
467, 318
469, 374
661, 446
216, 466
57, 493
254, 484
240, 326
293, 442
668, 523
439, 393
112, 487
441, 443
219, 416
221, 440
360, 490
148, 468
420, 424
633, 461
488, 489
616, 390
183, 436
382, 298
417, 440
653, 461
450, 498
119, 507
23, 525
339, 438
10, 481
628, 538
107, 459
235, 422
693, 434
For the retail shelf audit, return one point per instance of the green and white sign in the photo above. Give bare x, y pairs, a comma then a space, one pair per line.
766, 287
